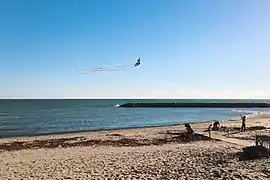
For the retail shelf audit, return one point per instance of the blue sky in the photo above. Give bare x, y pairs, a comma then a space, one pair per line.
188, 48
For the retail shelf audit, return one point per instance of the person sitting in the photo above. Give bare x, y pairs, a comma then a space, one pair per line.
189, 129
216, 126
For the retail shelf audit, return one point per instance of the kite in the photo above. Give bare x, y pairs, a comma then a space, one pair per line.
138, 62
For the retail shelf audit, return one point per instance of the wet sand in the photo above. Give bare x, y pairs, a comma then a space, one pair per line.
153, 153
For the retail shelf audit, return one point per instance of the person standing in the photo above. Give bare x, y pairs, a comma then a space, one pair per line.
243, 127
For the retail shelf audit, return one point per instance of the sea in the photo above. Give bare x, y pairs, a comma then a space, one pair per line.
34, 117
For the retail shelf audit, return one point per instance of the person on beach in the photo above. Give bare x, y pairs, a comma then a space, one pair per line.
189, 129
209, 127
216, 126
243, 127
209, 130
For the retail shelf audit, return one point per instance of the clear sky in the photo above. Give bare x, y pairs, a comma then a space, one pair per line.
188, 48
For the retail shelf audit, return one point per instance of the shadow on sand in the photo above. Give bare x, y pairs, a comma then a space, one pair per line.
253, 152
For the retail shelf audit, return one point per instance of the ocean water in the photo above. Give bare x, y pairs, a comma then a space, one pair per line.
38, 117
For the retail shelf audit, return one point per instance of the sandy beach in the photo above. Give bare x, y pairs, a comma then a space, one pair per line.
148, 153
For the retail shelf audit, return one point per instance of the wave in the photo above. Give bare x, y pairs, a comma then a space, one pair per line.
251, 113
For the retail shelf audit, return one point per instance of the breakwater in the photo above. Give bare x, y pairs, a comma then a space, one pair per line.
196, 105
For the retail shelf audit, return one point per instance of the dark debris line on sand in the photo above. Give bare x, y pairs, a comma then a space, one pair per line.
82, 141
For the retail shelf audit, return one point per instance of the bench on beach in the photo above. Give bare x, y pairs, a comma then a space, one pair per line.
262, 140
260, 150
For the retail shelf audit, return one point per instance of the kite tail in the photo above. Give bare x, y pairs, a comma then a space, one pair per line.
105, 69
128, 65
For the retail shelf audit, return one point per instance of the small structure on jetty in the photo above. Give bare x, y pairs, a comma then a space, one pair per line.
196, 105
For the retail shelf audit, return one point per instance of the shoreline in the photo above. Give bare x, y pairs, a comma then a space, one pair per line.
197, 126
123, 128
101, 131
104, 130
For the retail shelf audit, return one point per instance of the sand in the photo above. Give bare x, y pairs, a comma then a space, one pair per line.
148, 153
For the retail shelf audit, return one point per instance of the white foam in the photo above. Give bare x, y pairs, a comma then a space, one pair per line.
250, 113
